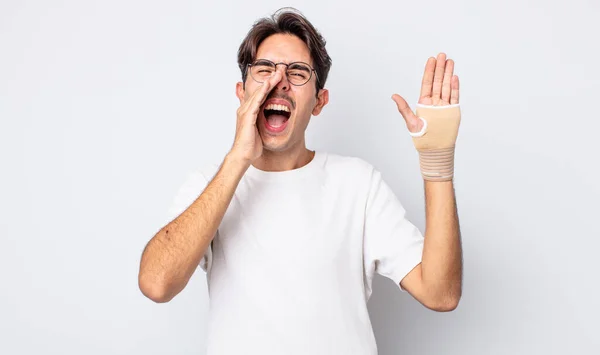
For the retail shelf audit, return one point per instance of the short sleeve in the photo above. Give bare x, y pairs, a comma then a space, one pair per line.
393, 246
188, 192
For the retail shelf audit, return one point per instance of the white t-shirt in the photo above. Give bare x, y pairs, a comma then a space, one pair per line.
291, 266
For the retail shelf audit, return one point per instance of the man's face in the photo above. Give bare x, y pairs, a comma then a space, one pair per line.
278, 131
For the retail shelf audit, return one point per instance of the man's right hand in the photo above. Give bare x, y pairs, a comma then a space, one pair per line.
248, 145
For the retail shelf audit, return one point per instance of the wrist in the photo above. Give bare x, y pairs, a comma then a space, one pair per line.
236, 163
437, 164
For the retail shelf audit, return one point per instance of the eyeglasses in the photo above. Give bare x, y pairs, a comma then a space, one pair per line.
298, 73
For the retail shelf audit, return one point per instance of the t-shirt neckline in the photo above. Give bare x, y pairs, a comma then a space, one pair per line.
309, 168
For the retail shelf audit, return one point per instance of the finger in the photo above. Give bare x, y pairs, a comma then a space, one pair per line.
260, 94
264, 91
446, 89
413, 123
436, 92
246, 101
427, 82
455, 86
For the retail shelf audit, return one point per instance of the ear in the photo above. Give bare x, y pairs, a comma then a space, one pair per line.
240, 92
322, 100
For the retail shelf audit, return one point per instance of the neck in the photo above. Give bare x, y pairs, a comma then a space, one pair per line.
284, 160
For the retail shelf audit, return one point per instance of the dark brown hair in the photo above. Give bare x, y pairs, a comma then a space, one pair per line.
286, 21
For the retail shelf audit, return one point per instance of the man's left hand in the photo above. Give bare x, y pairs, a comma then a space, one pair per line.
439, 87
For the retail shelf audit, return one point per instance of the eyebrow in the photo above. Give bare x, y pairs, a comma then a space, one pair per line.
298, 66
264, 62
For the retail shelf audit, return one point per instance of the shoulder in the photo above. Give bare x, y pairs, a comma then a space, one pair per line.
351, 171
354, 169
349, 163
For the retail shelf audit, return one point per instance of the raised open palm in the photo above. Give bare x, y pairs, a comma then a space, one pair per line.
440, 87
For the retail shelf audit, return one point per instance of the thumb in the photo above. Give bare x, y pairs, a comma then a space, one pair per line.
413, 123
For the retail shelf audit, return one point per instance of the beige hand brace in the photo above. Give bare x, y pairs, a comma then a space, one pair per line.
436, 140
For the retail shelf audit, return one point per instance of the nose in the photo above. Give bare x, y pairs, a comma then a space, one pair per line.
284, 84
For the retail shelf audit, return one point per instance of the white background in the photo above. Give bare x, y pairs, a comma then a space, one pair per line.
106, 106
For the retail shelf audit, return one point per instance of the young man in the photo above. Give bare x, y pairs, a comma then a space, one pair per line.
291, 238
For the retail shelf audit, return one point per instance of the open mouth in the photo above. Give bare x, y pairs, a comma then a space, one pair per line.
276, 115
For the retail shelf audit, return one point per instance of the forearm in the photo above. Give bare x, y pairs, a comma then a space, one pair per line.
172, 255
442, 253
